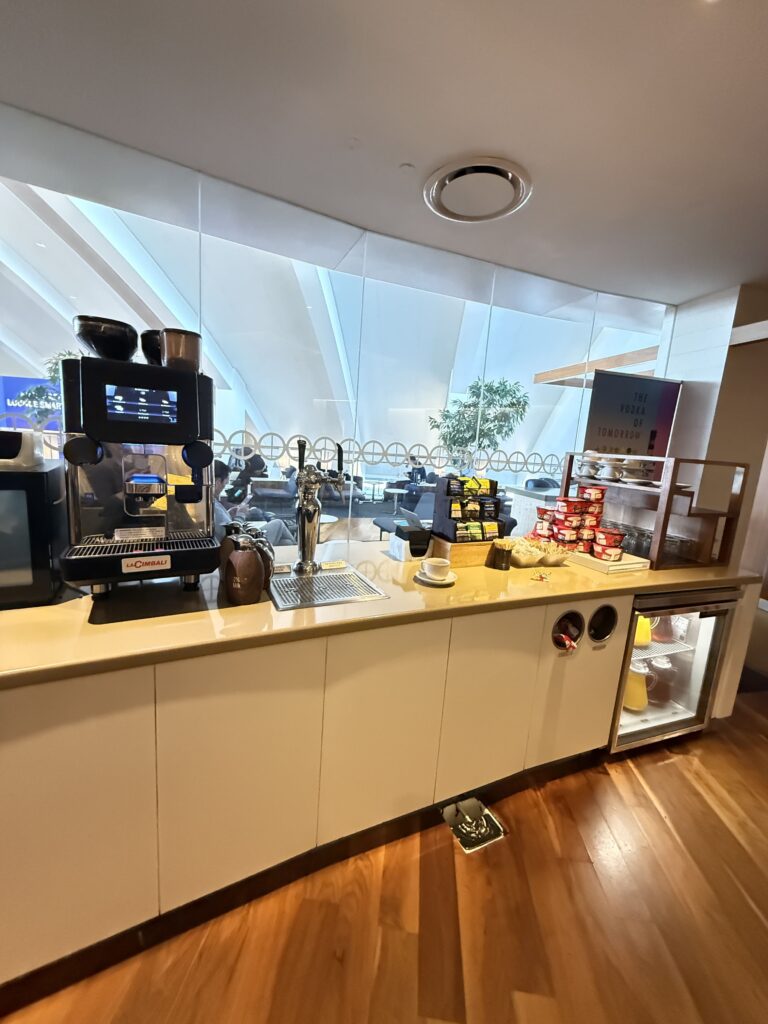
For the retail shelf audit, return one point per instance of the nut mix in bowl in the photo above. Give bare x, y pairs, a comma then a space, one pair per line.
526, 553
555, 554
552, 553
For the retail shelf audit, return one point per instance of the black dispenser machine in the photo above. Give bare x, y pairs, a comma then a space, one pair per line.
139, 482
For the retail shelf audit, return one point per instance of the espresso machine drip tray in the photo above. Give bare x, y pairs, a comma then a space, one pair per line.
184, 540
327, 587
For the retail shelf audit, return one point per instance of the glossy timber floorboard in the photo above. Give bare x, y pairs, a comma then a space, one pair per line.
633, 893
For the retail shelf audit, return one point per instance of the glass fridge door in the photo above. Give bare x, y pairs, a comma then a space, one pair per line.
670, 673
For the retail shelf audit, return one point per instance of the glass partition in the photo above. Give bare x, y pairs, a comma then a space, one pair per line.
418, 361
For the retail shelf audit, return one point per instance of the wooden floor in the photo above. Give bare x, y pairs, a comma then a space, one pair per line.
634, 893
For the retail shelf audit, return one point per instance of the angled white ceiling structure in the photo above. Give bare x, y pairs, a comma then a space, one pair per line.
644, 125
295, 346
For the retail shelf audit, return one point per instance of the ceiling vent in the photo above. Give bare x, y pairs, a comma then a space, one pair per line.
472, 191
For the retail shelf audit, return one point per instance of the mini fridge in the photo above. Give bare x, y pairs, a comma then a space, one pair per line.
671, 666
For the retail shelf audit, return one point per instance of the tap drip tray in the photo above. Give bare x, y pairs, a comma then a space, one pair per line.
329, 586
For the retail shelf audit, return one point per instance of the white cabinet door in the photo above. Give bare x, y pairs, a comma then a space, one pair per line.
489, 691
576, 691
383, 701
238, 758
78, 832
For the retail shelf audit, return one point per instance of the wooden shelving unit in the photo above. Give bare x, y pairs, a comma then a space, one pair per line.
710, 532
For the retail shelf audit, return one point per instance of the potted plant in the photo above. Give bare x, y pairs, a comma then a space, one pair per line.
487, 415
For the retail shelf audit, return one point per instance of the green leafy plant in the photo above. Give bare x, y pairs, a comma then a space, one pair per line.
489, 413
44, 400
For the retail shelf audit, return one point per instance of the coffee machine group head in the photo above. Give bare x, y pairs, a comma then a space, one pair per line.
139, 484
308, 507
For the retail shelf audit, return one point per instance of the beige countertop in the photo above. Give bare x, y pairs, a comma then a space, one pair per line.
154, 622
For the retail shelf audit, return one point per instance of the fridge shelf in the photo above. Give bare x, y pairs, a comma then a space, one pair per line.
655, 716
660, 650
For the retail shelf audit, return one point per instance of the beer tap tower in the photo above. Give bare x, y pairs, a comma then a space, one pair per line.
308, 507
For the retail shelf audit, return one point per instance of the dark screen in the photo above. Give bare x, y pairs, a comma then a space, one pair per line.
15, 550
140, 405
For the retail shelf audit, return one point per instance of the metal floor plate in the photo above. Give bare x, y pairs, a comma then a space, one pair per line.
329, 587
472, 824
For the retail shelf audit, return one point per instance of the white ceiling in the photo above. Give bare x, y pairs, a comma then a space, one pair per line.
643, 124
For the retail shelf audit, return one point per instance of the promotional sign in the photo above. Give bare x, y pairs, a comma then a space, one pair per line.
34, 398
630, 414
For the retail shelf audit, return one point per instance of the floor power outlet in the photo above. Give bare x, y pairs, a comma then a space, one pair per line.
472, 824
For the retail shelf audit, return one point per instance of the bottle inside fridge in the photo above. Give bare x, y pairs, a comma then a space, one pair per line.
671, 666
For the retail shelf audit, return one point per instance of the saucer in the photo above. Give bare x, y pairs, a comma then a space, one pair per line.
449, 580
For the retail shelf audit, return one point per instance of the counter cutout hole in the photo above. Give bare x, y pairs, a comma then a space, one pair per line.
602, 623
568, 630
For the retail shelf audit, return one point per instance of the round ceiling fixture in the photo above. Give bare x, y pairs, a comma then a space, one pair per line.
481, 189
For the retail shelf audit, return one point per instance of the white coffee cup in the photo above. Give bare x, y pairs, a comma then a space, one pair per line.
436, 568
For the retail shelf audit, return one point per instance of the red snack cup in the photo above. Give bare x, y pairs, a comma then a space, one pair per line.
591, 492
564, 504
568, 519
607, 554
566, 534
609, 538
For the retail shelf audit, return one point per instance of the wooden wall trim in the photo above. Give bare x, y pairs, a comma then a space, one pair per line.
639, 355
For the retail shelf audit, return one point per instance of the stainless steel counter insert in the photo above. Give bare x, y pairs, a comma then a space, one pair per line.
328, 587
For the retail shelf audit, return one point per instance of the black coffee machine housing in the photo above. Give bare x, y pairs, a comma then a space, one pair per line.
123, 420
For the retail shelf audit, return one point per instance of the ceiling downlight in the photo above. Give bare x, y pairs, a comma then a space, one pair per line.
481, 189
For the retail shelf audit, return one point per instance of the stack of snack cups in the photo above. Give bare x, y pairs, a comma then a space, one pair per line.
569, 515
543, 528
605, 544
592, 510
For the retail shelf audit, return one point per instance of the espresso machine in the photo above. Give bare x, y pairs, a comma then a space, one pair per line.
138, 457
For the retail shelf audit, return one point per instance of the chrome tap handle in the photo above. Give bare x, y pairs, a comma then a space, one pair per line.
309, 480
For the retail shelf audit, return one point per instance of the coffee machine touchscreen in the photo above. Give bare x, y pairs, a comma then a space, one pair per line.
142, 405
